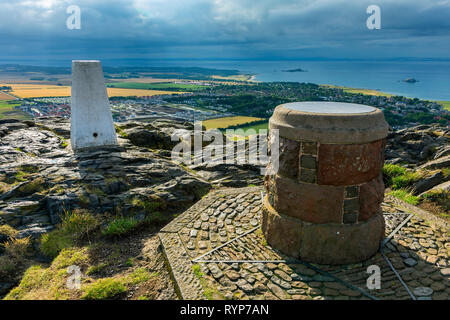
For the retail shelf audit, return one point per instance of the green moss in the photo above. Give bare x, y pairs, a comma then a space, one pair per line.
391, 171
29, 168
34, 186
50, 283
138, 276
130, 262
446, 172
149, 205
75, 226
21, 176
120, 131
33, 278
406, 196
405, 180
71, 256
197, 271
95, 190
120, 227
156, 218
96, 269
104, 289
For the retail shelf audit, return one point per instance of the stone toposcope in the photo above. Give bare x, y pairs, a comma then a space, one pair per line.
324, 203
91, 120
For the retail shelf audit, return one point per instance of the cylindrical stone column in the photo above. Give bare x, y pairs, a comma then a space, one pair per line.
91, 120
323, 204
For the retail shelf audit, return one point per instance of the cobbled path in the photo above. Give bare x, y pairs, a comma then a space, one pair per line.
216, 250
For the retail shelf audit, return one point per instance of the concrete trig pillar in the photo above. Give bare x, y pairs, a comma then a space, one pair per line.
91, 121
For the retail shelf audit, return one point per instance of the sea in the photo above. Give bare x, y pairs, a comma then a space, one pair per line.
433, 76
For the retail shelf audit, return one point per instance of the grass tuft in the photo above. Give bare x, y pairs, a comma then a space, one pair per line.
104, 289
406, 196
120, 227
75, 226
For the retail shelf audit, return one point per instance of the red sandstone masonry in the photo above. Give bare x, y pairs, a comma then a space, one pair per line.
349, 164
371, 196
306, 201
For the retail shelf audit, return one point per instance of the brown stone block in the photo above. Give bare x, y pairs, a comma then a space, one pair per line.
309, 148
308, 202
282, 233
348, 164
341, 243
371, 196
308, 175
288, 160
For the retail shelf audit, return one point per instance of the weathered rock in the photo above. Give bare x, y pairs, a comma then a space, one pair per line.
443, 187
440, 163
427, 183
45, 179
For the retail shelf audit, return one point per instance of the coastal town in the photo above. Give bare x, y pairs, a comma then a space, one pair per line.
251, 99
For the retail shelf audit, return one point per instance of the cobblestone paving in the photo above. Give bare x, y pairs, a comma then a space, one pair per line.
216, 250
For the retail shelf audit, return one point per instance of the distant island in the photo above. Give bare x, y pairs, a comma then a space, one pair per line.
294, 70
410, 80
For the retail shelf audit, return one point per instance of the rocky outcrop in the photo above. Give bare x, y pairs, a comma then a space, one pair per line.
41, 177
417, 145
424, 149
443, 187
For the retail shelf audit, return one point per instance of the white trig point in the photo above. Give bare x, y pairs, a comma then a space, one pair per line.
91, 122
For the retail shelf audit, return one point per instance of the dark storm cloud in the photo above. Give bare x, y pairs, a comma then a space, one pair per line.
225, 29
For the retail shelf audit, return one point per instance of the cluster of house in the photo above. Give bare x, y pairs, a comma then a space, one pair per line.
46, 107
123, 109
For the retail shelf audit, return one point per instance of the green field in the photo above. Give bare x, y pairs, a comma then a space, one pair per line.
446, 104
7, 111
156, 86
256, 127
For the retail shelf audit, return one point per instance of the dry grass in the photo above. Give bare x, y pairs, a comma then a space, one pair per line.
41, 91
221, 123
17, 248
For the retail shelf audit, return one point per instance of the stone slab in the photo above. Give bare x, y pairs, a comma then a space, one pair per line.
330, 126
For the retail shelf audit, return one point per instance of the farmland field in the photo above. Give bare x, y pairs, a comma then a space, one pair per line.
155, 86
41, 91
4, 96
369, 92
445, 104
7, 111
221, 123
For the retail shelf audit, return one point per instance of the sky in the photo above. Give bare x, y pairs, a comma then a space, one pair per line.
224, 29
